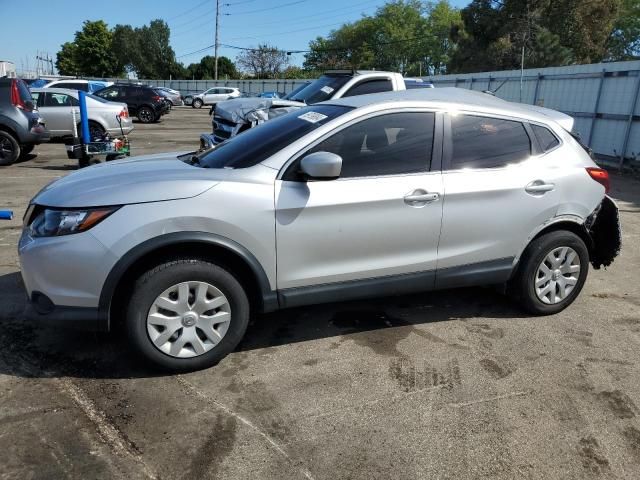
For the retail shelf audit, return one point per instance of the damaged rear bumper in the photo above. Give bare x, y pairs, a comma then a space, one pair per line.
603, 227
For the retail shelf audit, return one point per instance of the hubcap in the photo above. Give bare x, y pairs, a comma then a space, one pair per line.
6, 148
145, 115
188, 319
557, 275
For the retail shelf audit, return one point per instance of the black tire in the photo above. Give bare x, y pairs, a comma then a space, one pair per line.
146, 115
95, 131
523, 283
197, 103
26, 150
10, 149
152, 283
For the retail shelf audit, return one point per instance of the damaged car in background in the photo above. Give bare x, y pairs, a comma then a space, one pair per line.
359, 197
237, 115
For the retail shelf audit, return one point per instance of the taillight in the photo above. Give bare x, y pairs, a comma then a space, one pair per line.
601, 176
156, 98
124, 113
16, 99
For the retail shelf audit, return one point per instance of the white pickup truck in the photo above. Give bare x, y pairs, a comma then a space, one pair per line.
234, 116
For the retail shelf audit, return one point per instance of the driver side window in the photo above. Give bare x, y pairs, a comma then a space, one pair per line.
391, 144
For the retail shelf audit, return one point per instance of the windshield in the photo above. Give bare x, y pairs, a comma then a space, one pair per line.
293, 93
321, 89
257, 144
96, 98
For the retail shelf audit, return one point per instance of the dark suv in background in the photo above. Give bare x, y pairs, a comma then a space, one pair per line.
21, 127
143, 102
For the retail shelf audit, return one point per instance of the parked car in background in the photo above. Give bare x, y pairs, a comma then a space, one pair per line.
57, 104
173, 96
90, 86
237, 115
214, 95
143, 102
21, 127
269, 95
352, 198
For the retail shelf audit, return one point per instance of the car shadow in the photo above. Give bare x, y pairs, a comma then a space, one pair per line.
59, 168
31, 350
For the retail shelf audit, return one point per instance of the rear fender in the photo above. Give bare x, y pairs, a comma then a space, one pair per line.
603, 226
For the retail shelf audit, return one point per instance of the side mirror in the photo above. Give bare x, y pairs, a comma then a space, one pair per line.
321, 166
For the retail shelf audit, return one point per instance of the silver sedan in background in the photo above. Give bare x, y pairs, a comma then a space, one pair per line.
59, 105
174, 96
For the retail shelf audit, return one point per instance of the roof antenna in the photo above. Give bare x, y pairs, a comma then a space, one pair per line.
494, 91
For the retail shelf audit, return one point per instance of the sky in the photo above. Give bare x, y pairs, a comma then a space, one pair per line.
287, 24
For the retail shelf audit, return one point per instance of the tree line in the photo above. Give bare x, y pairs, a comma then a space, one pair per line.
407, 36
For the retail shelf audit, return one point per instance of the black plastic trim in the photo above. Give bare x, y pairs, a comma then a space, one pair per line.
75, 318
357, 289
482, 273
269, 297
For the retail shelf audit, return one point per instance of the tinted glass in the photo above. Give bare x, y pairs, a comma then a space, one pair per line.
108, 93
23, 90
321, 89
546, 139
396, 143
372, 86
72, 86
257, 144
482, 142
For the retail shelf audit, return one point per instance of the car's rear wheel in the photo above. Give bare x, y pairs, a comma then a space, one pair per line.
197, 103
552, 272
95, 131
146, 115
187, 314
10, 149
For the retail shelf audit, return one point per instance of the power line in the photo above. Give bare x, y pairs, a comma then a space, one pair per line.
350, 9
190, 10
268, 9
290, 31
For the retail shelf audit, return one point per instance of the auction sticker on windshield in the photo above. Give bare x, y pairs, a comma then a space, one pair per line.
327, 89
313, 117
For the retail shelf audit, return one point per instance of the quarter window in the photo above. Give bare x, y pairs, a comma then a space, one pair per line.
371, 86
392, 144
546, 139
483, 142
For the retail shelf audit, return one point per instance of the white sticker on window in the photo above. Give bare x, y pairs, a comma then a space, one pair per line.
327, 89
313, 117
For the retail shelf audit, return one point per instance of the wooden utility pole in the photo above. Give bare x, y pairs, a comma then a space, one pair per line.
215, 75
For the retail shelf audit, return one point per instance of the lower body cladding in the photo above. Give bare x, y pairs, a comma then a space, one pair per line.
65, 288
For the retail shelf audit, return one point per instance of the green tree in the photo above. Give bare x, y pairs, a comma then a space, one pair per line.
90, 53
66, 59
624, 42
551, 32
205, 69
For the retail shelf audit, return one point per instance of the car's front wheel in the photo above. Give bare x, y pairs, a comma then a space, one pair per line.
552, 272
197, 103
186, 314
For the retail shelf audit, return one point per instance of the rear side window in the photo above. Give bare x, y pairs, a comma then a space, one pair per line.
371, 86
483, 142
391, 144
23, 90
72, 86
546, 139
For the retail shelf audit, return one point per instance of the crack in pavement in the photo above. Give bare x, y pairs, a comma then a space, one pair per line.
490, 399
189, 386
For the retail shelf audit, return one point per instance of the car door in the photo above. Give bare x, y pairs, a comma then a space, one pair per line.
57, 112
380, 218
210, 96
496, 195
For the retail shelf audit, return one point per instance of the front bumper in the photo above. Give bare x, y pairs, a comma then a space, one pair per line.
64, 277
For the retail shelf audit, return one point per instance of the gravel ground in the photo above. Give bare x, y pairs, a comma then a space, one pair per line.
455, 384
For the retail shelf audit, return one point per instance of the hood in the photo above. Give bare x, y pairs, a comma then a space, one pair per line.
254, 109
149, 178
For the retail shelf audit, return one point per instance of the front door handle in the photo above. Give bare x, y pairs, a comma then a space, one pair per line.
538, 187
419, 198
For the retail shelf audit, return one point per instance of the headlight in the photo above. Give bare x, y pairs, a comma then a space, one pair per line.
57, 222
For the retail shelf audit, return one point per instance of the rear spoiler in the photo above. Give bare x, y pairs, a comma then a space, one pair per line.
564, 120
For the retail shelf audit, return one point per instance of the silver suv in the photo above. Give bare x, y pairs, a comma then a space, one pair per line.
365, 196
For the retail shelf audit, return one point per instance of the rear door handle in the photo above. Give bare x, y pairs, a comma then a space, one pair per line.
539, 187
419, 198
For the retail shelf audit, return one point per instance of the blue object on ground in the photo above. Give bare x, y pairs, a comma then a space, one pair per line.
6, 214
